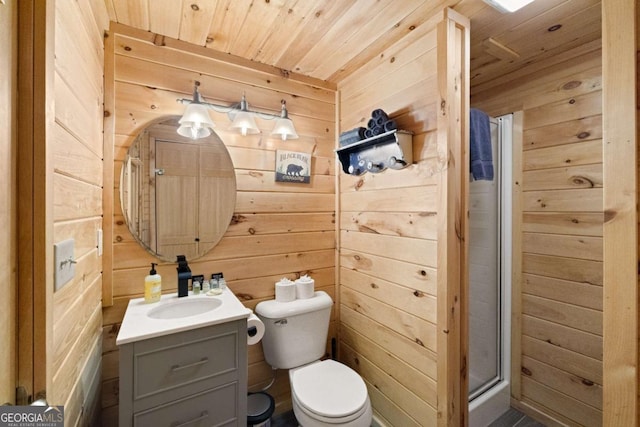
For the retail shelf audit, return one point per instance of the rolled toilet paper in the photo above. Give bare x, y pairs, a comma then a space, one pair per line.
285, 290
305, 287
255, 329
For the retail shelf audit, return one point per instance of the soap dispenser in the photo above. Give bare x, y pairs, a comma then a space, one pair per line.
152, 285
184, 274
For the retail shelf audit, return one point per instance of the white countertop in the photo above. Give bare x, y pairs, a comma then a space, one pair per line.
137, 326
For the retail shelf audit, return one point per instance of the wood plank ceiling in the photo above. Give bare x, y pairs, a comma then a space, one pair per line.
329, 39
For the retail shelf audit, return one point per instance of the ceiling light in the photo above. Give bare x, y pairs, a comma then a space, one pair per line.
508, 5
196, 122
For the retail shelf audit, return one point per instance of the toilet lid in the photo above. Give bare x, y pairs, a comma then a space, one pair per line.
329, 388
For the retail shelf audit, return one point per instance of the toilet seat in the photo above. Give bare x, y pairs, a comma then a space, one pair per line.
305, 417
329, 391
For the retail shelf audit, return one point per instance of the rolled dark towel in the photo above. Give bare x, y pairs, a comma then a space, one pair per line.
379, 113
390, 125
379, 123
351, 136
359, 132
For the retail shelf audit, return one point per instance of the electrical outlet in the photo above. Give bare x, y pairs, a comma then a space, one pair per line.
65, 263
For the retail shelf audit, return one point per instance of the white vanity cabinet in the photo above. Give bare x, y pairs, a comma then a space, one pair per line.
196, 377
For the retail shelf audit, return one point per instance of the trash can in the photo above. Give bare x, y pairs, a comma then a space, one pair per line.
260, 407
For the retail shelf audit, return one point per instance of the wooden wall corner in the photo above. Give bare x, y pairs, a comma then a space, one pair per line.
452, 140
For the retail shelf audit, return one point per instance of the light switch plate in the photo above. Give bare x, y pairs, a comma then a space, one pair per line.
65, 263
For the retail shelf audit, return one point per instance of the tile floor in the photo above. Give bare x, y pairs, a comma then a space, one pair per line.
511, 418
515, 418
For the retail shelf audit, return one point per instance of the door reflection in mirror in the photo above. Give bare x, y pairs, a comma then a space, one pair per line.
177, 195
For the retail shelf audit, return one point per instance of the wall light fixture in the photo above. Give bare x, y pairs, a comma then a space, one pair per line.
196, 123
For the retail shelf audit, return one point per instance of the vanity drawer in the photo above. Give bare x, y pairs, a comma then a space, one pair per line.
216, 407
172, 367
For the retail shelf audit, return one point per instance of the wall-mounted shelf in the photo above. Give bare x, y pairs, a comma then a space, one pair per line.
392, 149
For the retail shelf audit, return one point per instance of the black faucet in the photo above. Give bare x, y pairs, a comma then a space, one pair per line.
184, 274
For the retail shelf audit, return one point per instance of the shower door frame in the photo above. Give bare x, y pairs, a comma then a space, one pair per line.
492, 399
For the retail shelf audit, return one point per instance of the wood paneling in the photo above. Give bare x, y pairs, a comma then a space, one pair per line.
8, 219
527, 32
24, 205
516, 256
542, 81
77, 176
77, 206
409, 376
416, 405
558, 340
399, 321
620, 136
336, 42
411, 352
392, 298
573, 410
278, 229
60, 185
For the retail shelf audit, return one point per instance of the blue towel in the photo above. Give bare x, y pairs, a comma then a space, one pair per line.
481, 159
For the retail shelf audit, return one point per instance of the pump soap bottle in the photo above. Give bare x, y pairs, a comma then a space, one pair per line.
152, 285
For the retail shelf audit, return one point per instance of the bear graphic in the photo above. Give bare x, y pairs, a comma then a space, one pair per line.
294, 170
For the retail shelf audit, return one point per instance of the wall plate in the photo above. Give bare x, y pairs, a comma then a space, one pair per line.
64, 263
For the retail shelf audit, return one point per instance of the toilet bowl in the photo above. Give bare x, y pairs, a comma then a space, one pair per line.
328, 393
323, 393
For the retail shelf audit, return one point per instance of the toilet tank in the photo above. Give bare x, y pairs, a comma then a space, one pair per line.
295, 332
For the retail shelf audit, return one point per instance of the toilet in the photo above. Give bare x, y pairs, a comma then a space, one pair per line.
323, 392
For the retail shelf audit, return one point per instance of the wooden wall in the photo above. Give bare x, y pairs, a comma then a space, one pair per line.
393, 232
557, 342
620, 234
278, 229
8, 248
76, 157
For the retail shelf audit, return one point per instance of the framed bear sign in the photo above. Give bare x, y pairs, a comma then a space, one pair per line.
292, 166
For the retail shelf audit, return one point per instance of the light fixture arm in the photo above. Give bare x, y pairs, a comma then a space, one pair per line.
284, 114
230, 109
196, 94
196, 123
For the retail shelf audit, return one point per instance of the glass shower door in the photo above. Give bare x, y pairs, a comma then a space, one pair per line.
484, 278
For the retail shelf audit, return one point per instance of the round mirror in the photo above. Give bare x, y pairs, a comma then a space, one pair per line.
177, 195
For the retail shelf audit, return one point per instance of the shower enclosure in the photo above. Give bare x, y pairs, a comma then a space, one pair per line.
490, 282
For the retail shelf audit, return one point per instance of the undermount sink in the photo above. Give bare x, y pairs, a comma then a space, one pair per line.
184, 308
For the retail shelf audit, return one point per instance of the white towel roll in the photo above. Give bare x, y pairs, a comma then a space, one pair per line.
305, 287
285, 290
